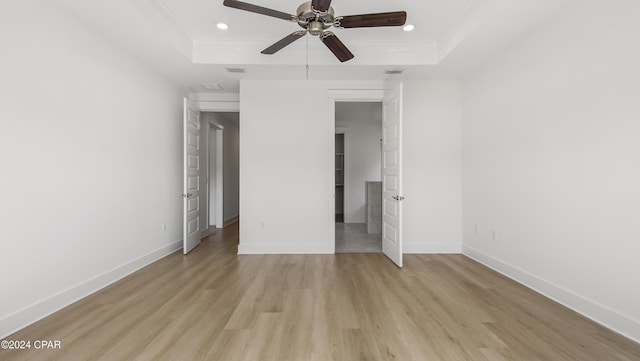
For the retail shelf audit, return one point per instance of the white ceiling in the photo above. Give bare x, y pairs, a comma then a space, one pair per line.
180, 39
199, 18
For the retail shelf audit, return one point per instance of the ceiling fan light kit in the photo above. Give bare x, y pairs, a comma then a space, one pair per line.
315, 17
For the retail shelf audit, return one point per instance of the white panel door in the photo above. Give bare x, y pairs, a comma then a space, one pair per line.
191, 186
392, 174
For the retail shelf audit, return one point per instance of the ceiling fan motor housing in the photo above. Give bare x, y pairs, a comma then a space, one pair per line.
316, 28
312, 20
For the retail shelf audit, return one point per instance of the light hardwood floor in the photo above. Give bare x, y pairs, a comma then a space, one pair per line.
216, 305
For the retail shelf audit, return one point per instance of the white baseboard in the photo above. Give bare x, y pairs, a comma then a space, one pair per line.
231, 221
431, 248
601, 314
39, 310
324, 248
288, 248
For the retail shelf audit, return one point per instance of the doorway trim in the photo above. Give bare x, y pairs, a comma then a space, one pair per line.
206, 102
214, 103
342, 95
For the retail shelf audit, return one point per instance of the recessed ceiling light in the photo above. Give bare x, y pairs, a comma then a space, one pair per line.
408, 27
222, 26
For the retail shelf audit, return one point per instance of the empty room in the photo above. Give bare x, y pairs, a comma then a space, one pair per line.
197, 172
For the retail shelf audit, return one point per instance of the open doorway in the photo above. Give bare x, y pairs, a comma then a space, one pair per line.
221, 165
358, 174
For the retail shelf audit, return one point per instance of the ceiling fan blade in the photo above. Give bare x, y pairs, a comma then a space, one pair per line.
336, 46
257, 9
321, 5
396, 18
284, 42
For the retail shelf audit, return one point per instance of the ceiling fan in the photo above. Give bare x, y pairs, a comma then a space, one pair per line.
315, 17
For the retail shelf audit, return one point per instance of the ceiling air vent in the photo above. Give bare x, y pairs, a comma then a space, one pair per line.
212, 86
393, 71
235, 70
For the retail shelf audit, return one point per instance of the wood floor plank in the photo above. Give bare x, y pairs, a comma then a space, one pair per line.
216, 305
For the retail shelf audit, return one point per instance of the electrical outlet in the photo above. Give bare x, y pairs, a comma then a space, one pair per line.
262, 225
164, 226
494, 234
477, 229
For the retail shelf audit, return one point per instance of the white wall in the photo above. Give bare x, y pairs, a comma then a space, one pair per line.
432, 162
287, 175
363, 156
90, 143
285, 170
552, 162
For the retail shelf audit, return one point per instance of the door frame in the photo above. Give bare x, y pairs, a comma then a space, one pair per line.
355, 95
214, 103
